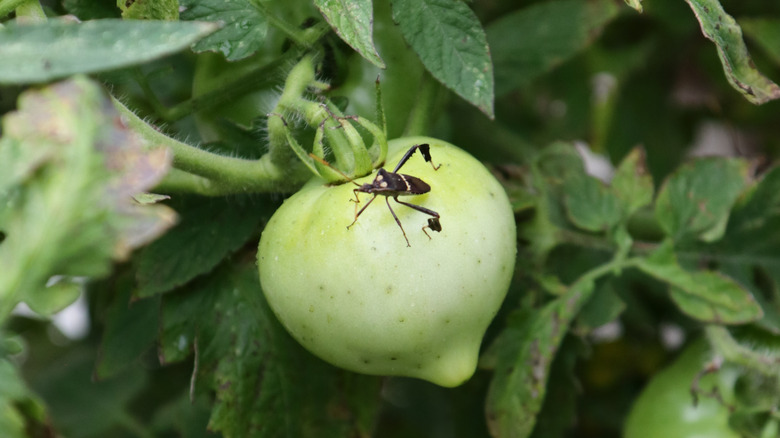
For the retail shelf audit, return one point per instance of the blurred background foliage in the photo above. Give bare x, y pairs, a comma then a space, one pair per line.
600, 74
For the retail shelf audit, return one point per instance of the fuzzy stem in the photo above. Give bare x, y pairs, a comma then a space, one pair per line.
732, 351
229, 174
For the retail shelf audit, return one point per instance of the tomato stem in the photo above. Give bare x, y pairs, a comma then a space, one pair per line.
211, 173
728, 347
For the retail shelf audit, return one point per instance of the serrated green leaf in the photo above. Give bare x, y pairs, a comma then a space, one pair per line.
590, 204
451, 43
130, 330
765, 32
527, 347
266, 384
57, 48
632, 183
353, 21
750, 248
210, 229
708, 296
742, 74
560, 408
243, 27
537, 38
695, 201
556, 164
69, 169
149, 9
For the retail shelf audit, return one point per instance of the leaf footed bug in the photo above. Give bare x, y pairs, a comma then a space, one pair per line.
394, 184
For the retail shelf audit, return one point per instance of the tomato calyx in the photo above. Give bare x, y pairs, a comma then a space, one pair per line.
353, 155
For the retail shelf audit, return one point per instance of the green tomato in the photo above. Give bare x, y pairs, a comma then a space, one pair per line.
361, 299
665, 409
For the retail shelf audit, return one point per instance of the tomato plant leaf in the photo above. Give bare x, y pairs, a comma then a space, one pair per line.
705, 295
60, 292
266, 384
556, 163
150, 10
210, 229
590, 204
68, 169
695, 201
91, 9
560, 408
604, 307
525, 352
57, 48
80, 406
765, 32
243, 29
750, 248
537, 38
451, 43
14, 394
131, 329
632, 183
720, 28
353, 21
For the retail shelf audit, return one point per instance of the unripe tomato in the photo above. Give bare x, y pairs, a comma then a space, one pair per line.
361, 299
666, 409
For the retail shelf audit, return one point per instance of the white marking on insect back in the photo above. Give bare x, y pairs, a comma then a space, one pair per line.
408, 187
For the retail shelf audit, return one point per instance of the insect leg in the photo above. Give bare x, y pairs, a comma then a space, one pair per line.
387, 199
433, 223
361, 210
419, 208
425, 150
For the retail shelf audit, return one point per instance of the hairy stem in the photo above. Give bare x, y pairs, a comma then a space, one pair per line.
228, 174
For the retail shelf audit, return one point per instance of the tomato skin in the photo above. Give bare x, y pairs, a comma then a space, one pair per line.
665, 408
361, 299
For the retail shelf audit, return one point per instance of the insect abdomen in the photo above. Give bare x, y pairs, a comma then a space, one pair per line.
414, 185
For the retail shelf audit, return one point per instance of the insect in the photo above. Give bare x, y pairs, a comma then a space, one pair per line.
394, 184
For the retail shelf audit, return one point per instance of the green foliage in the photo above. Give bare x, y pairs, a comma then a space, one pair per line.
208, 230
354, 23
724, 31
149, 9
68, 175
59, 48
452, 45
534, 40
142, 181
242, 31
